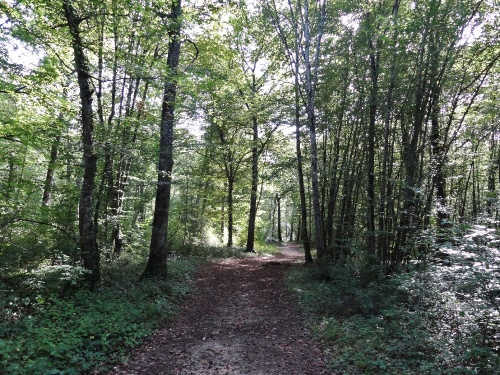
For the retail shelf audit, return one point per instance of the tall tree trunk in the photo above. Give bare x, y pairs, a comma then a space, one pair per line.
49, 178
311, 77
158, 250
223, 216
383, 209
438, 162
278, 204
185, 219
475, 193
230, 189
492, 172
370, 189
295, 55
409, 221
106, 180
88, 232
304, 235
117, 192
255, 182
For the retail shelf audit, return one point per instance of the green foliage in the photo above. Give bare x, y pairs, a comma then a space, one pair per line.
440, 320
77, 330
204, 251
266, 248
217, 252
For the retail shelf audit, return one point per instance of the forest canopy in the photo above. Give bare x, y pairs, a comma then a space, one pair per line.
368, 127
362, 130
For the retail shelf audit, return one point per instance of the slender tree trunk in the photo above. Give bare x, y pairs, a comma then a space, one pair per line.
300, 20
123, 169
370, 189
438, 176
106, 180
255, 183
475, 195
302, 229
158, 251
223, 216
335, 181
49, 178
383, 209
492, 172
299, 225
311, 76
273, 218
465, 190
409, 221
88, 232
230, 189
278, 204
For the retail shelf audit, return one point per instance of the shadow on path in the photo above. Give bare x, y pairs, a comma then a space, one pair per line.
241, 320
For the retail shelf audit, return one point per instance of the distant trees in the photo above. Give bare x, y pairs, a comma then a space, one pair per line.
394, 104
383, 72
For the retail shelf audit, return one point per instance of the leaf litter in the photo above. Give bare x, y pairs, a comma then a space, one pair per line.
241, 321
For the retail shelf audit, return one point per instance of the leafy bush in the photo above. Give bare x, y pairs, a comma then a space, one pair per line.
46, 332
444, 319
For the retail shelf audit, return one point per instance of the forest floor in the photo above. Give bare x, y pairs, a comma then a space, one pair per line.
241, 320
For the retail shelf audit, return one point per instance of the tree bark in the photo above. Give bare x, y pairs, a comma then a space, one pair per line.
278, 203
255, 183
49, 178
88, 232
230, 224
311, 77
158, 250
370, 189
304, 235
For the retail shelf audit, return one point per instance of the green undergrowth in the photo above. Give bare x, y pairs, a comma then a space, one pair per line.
443, 319
50, 326
218, 252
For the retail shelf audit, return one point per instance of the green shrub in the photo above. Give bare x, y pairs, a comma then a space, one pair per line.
49, 333
438, 321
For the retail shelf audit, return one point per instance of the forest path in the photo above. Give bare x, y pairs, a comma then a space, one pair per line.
241, 321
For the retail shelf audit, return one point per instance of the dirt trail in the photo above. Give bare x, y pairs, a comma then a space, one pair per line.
241, 321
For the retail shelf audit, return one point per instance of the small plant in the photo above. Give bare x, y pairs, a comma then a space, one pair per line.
79, 331
441, 320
